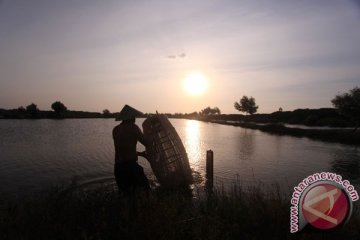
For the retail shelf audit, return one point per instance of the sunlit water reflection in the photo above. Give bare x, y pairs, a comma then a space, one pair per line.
192, 143
40, 153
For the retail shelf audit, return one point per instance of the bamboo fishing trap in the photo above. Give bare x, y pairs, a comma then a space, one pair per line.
166, 153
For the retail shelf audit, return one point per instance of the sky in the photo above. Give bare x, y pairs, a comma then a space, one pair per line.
93, 55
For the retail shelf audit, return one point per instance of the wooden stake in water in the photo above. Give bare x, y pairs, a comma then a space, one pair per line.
209, 169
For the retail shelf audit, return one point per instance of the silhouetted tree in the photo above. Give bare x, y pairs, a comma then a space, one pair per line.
21, 109
348, 105
58, 107
106, 113
210, 111
21, 112
247, 105
193, 114
33, 110
280, 109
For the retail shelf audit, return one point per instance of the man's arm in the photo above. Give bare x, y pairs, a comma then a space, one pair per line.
144, 141
116, 145
142, 154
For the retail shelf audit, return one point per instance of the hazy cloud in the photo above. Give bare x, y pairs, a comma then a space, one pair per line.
181, 55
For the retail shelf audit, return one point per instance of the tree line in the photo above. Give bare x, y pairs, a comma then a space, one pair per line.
347, 106
59, 111
345, 113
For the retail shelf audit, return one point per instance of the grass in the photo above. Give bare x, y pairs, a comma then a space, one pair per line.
102, 213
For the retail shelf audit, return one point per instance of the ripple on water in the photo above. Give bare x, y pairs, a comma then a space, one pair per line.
36, 154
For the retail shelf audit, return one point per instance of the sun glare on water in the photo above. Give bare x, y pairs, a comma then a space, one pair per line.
195, 83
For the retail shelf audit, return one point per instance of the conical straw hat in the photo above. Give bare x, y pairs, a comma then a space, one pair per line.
128, 113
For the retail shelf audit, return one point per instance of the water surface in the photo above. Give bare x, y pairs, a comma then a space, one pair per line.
36, 154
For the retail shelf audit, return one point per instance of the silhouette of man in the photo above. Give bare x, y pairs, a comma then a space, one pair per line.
128, 173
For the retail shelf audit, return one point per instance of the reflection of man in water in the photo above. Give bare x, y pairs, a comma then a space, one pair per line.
128, 173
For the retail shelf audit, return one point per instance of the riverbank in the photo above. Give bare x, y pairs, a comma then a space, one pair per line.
101, 213
322, 117
344, 136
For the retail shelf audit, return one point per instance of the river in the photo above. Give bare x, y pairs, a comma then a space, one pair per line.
37, 154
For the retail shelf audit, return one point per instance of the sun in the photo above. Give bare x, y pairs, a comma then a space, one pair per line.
195, 83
